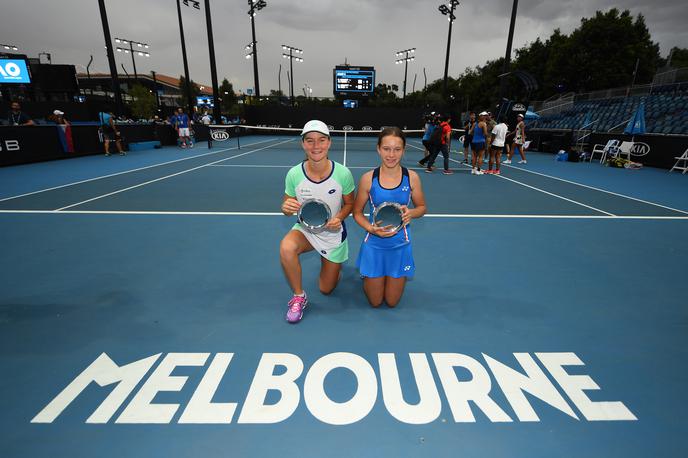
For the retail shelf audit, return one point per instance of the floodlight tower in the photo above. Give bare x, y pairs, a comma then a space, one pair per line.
130, 50
111, 57
292, 58
507, 56
196, 5
404, 58
255, 6
448, 10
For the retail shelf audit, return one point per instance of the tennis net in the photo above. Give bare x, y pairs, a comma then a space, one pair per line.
342, 139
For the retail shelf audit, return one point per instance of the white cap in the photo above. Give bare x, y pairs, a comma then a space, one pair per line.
315, 126
520, 115
58, 113
483, 113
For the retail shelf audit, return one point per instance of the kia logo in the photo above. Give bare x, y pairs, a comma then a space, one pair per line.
518, 107
219, 135
640, 149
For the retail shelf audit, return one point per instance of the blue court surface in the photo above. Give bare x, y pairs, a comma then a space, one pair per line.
142, 314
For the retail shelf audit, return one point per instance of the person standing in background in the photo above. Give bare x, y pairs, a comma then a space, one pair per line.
15, 117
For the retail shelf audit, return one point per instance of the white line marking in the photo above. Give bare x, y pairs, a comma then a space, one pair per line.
345, 139
437, 215
168, 176
540, 190
126, 171
290, 166
555, 195
597, 189
577, 184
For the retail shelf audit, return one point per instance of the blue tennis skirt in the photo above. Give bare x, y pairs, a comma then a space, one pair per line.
396, 262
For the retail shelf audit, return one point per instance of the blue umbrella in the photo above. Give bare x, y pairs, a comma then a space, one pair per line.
636, 125
587, 121
531, 115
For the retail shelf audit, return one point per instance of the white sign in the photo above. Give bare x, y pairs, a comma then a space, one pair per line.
285, 373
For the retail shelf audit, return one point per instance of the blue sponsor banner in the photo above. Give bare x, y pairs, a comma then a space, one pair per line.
14, 71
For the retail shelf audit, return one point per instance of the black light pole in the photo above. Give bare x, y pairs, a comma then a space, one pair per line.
155, 88
196, 5
88, 73
111, 58
132, 52
448, 11
507, 56
217, 115
255, 6
292, 58
405, 58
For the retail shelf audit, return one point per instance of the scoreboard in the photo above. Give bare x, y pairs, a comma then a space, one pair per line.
354, 80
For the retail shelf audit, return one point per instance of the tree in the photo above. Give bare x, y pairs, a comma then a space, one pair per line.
599, 54
679, 57
195, 92
143, 104
384, 95
229, 98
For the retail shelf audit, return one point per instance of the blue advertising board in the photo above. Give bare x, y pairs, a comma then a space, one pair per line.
14, 71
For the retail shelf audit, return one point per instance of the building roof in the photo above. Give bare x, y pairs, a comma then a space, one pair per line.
165, 80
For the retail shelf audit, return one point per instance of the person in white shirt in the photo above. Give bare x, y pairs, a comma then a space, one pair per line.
499, 132
206, 119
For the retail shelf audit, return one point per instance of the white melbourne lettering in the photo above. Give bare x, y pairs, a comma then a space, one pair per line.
463, 394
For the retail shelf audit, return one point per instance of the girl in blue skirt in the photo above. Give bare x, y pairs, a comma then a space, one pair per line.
385, 260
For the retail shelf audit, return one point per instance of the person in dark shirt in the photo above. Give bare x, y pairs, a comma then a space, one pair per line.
16, 118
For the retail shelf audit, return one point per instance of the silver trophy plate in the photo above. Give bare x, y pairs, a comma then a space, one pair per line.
313, 215
388, 214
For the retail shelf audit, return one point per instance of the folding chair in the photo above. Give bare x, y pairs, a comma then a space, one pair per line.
603, 149
683, 158
623, 150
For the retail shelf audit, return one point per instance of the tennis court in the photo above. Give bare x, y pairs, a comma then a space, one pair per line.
143, 304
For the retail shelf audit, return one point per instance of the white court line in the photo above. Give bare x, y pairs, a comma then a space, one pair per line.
345, 137
126, 171
290, 166
169, 176
437, 215
540, 190
597, 189
585, 186
555, 195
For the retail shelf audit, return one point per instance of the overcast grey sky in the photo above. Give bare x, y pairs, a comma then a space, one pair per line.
363, 32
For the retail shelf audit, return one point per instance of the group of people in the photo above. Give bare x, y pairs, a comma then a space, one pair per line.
385, 259
484, 140
484, 134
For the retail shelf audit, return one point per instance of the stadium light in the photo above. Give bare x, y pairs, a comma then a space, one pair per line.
9, 47
196, 5
507, 56
47, 55
130, 50
405, 57
292, 58
111, 57
448, 10
254, 7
